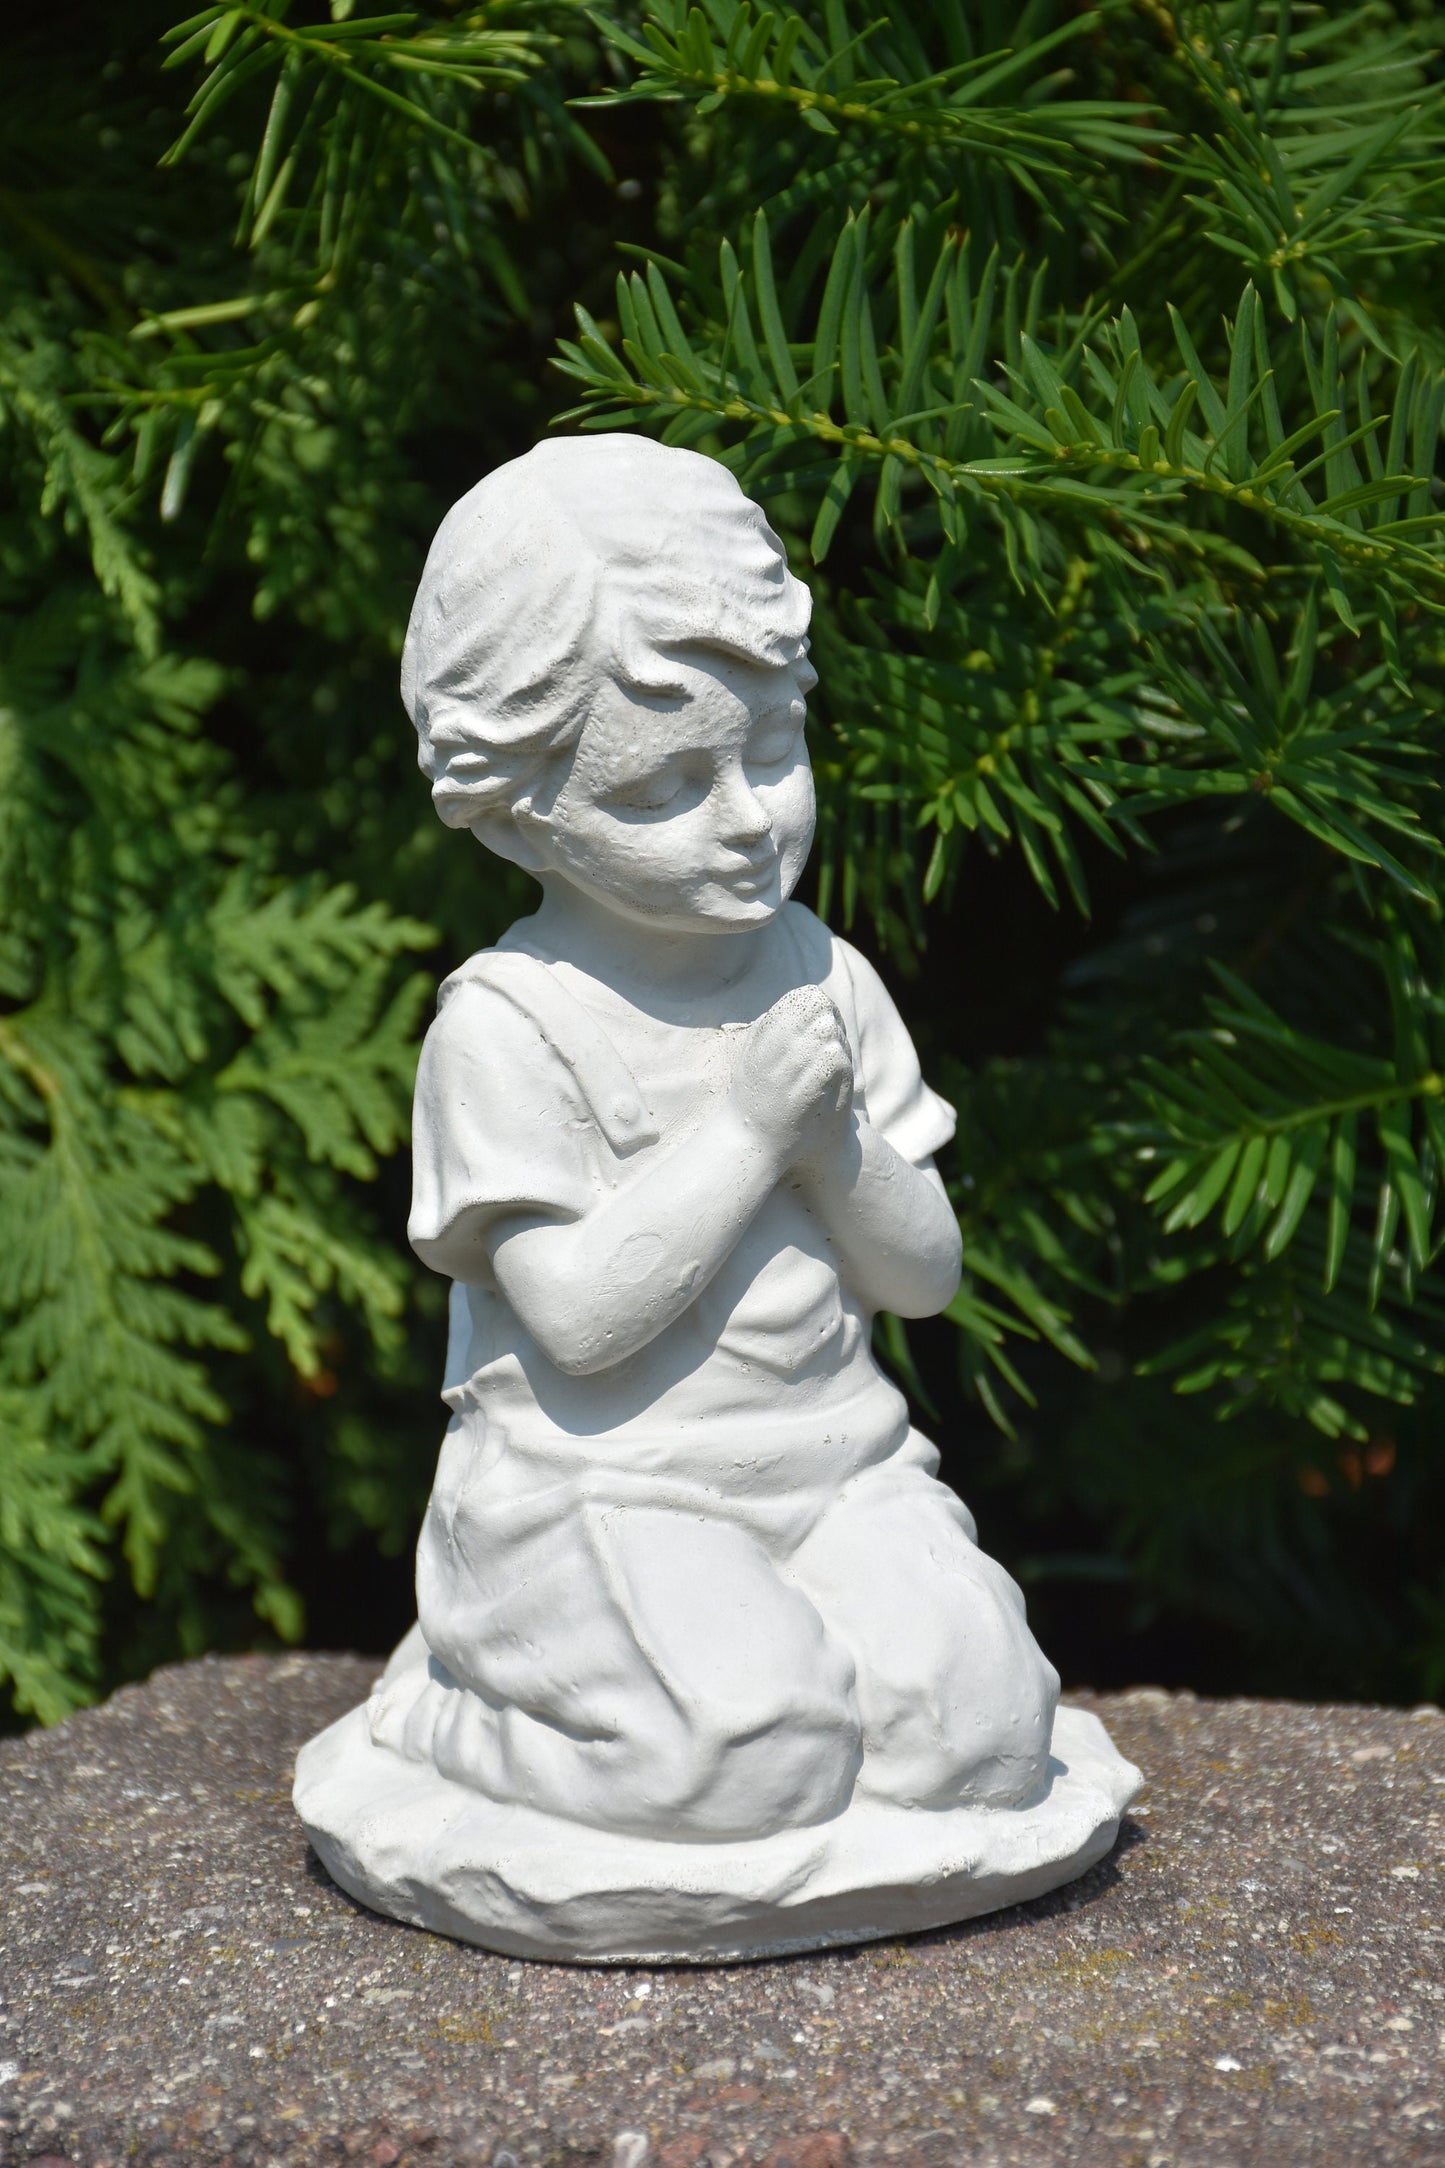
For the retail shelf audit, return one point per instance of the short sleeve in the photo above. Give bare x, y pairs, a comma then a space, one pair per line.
914, 1119
498, 1127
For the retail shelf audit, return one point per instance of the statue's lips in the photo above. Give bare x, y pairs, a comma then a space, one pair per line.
748, 877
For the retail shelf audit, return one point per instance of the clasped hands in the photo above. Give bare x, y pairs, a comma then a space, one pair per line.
793, 1080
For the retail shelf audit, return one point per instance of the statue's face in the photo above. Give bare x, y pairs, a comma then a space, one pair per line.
691, 810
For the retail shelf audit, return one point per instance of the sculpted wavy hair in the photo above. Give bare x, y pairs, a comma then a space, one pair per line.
585, 560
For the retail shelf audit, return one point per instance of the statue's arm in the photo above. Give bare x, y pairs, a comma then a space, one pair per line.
593, 1290
873, 1182
890, 1221
595, 1287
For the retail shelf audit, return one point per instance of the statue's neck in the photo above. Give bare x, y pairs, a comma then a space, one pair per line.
646, 965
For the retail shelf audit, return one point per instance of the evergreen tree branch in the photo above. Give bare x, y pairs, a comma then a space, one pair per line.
1094, 437
776, 58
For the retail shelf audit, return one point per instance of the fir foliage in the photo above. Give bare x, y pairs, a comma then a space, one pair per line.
195, 1047
1090, 361
1092, 366
207, 1032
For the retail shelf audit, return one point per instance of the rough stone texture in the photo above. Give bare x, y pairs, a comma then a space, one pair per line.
1257, 1975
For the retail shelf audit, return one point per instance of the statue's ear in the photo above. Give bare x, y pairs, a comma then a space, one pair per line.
521, 834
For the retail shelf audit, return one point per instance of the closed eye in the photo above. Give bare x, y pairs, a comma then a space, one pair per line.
649, 793
778, 743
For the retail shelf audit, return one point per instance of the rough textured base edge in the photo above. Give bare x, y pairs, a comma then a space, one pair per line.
412, 1844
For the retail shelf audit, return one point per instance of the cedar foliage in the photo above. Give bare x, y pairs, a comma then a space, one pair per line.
1092, 366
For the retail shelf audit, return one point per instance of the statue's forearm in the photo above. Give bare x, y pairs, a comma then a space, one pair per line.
594, 1290
890, 1221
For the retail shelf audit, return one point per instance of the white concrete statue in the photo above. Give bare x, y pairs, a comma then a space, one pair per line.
708, 1664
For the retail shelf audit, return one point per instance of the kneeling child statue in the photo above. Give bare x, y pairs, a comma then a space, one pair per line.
708, 1664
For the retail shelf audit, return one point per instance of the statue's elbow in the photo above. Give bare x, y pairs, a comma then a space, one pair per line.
939, 1273
951, 1274
576, 1352
552, 1310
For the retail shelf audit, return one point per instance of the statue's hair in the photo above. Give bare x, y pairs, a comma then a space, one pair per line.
583, 561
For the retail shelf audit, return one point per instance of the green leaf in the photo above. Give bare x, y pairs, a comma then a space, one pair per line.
769, 314
830, 511
1341, 1196
1304, 1174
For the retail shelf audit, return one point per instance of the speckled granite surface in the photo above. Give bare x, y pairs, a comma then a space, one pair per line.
1257, 1975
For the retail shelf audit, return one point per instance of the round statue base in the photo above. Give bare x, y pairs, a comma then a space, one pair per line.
407, 1842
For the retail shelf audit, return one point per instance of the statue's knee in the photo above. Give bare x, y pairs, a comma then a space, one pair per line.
734, 1774
1005, 1748
964, 1711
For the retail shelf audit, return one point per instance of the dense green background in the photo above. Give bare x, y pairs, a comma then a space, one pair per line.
1129, 738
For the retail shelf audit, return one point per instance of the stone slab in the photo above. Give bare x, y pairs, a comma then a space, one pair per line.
1257, 1974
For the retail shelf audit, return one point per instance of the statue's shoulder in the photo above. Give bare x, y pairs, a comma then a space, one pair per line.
824, 958
486, 1028
819, 952
878, 1035
479, 1015
501, 974
507, 1011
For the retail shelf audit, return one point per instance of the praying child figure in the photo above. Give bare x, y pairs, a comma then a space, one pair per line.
687, 1585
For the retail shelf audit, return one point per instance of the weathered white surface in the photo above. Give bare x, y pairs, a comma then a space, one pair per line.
408, 1842
705, 1653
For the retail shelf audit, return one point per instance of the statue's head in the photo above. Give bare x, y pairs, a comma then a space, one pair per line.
607, 669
